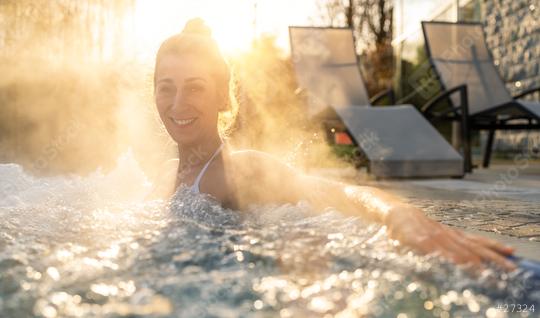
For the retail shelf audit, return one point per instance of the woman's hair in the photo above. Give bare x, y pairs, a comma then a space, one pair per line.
196, 38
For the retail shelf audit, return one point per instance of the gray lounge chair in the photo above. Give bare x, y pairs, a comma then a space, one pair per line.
398, 141
459, 55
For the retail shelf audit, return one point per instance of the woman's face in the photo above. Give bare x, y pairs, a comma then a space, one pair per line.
187, 98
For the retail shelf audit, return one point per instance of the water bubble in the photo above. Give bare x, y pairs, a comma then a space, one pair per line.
428, 305
258, 304
412, 287
53, 273
320, 305
49, 312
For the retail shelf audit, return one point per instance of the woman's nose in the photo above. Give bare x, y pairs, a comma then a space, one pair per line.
179, 101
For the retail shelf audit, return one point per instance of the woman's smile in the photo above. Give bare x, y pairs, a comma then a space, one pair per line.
184, 122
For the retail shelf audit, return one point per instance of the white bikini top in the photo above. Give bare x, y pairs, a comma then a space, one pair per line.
195, 186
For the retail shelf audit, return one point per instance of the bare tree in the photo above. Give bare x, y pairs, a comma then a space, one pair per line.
63, 68
372, 23
61, 27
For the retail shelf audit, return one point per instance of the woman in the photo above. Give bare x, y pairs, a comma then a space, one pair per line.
191, 85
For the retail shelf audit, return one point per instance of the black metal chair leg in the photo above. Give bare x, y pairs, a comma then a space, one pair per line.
327, 128
489, 146
467, 155
465, 130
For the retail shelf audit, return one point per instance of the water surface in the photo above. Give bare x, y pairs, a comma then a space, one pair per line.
72, 247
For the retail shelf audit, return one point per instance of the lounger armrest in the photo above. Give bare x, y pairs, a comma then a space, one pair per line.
527, 92
387, 92
464, 104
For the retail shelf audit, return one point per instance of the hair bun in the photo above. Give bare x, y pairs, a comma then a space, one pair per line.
197, 26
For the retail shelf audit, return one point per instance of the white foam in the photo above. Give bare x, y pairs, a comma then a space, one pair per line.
125, 183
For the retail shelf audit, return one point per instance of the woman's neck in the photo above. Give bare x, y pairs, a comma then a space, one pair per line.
196, 155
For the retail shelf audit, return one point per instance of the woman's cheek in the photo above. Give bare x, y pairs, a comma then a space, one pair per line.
161, 108
162, 104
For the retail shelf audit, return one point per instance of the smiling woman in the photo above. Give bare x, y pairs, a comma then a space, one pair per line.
248, 235
191, 90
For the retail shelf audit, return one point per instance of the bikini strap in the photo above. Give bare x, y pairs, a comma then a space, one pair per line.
195, 185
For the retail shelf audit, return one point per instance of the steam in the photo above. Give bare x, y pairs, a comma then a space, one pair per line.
73, 102
272, 116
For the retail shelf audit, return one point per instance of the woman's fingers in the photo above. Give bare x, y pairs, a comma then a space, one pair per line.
463, 254
460, 253
489, 250
441, 242
474, 242
464, 248
489, 255
494, 245
430, 237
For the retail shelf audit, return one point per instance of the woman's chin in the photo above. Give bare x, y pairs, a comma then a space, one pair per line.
186, 139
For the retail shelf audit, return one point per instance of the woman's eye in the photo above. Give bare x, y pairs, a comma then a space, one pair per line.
195, 88
166, 90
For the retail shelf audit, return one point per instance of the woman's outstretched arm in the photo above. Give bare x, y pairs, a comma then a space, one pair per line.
275, 181
405, 223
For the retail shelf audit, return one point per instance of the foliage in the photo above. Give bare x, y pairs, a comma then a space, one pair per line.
86, 29
61, 88
372, 23
272, 117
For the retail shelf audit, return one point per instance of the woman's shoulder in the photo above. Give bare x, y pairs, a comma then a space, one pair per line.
259, 162
262, 177
246, 154
255, 157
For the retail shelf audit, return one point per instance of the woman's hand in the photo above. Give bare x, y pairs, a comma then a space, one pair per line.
412, 228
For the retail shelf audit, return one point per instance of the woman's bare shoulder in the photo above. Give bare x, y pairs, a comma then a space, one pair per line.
263, 177
259, 163
256, 158
248, 154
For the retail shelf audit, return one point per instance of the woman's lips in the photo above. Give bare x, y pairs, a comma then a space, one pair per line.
184, 122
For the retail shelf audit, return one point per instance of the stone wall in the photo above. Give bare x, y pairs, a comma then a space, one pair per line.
512, 30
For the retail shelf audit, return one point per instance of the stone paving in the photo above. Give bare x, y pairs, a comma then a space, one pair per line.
506, 213
496, 202
485, 202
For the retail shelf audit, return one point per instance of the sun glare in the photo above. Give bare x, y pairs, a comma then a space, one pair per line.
232, 22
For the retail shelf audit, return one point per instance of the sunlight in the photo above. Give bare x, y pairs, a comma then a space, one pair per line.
232, 23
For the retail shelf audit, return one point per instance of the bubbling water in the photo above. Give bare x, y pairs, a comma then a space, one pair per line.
72, 246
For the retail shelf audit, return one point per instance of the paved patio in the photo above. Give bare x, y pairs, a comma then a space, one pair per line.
502, 202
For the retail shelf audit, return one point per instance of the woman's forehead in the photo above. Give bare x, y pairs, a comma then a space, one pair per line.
179, 68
